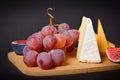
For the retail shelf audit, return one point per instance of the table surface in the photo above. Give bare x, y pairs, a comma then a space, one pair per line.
70, 66
19, 19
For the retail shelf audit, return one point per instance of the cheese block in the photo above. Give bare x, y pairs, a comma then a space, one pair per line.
110, 44
102, 42
87, 47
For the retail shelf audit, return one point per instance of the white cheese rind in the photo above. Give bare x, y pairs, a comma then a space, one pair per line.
87, 47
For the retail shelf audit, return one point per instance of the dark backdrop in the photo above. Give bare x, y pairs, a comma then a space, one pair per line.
19, 19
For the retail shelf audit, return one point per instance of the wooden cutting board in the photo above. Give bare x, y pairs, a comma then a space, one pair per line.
70, 66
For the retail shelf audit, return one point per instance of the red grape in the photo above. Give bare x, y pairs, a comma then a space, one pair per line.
38, 35
58, 56
75, 34
60, 41
70, 48
35, 44
44, 60
30, 58
69, 39
25, 49
49, 42
63, 27
48, 30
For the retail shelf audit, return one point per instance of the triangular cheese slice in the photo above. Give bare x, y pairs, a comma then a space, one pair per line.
87, 47
102, 42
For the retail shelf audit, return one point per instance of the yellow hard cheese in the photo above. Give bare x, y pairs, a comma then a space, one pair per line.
87, 47
110, 44
102, 41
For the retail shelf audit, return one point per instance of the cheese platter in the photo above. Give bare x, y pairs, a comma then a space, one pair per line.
52, 51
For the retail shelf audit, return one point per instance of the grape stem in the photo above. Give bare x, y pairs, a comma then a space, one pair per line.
51, 17
56, 24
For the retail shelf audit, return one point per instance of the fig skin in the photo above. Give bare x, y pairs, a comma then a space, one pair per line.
113, 54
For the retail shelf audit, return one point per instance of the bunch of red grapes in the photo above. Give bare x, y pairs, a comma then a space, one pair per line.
44, 48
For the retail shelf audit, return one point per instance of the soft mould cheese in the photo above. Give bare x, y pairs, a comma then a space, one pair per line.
87, 47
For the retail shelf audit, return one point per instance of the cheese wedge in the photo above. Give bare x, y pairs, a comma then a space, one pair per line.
110, 44
87, 47
102, 42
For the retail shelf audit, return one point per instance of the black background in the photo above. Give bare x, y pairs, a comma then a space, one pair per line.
19, 19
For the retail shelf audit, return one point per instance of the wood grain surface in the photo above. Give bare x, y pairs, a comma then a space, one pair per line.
70, 66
